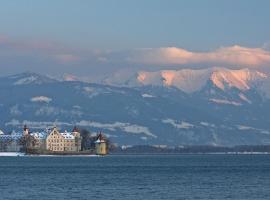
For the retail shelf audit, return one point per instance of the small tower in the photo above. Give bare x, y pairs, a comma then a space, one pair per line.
101, 145
78, 139
76, 132
25, 130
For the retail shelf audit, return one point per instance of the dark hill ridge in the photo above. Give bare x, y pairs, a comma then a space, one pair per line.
137, 115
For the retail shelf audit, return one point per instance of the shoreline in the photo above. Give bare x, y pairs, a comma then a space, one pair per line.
19, 154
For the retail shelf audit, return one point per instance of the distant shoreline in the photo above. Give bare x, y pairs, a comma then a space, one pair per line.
219, 153
18, 154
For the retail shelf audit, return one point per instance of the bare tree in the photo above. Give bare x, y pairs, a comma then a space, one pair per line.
28, 142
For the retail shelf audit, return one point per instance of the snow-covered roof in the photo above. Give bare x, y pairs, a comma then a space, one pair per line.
39, 135
10, 137
67, 135
98, 141
16, 133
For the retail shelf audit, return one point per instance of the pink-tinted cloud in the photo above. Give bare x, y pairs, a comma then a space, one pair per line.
67, 58
234, 55
53, 57
32, 45
3, 39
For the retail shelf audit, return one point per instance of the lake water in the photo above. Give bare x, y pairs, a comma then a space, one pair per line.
136, 177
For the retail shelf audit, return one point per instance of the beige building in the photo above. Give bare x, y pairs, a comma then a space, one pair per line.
101, 145
64, 142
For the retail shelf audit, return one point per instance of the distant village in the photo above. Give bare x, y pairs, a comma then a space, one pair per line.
54, 142
82, 142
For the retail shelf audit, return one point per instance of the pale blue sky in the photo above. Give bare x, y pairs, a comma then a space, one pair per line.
124, 25
120, 24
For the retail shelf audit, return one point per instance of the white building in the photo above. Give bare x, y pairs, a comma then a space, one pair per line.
10, 142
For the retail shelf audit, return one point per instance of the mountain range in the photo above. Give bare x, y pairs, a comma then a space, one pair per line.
214, 106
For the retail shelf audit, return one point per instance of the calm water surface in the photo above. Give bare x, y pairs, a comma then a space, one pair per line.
136, 177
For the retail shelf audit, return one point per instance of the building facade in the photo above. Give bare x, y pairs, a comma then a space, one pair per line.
63, 142
10, 142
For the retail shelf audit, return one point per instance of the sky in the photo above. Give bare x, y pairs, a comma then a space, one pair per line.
95, 37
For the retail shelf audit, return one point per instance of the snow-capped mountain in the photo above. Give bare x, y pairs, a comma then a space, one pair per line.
193, 80
26, 78
214, 106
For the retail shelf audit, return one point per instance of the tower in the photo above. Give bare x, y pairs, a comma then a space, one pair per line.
78, 140
25, 130
101, 145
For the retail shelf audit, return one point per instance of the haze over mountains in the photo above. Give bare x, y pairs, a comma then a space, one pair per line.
215, 106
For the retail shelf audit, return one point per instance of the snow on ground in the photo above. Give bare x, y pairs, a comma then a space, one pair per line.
36, 125
125, 127
223, 101
249, 128
26, 80
207, 124
242, 127
15, 111
144, 138
41, 99
244, 98
147, 96
11, 154
181, 125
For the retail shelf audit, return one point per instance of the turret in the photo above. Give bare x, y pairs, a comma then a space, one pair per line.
78, 140
101, 145
76, 132
25, 130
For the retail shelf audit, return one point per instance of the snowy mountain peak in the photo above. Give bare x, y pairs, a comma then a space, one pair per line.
187, 80
241, 79
29, 78
190, 80
70, 77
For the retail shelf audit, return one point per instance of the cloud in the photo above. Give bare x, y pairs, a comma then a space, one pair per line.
38, 56
30, 45
67, 58
3, 39
93, 64
228, 56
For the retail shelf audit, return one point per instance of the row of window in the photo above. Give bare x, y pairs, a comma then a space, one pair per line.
60, 149
68, 141
57, 144
57, 149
